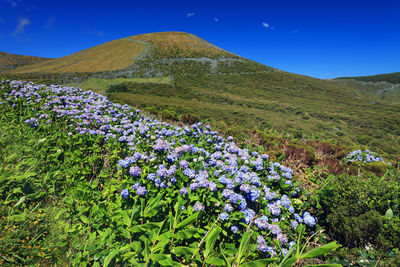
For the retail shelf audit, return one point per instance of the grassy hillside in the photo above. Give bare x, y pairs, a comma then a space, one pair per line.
380, 90
121, 53
236, 95
10, 61
387, 77
241, 104
113, 55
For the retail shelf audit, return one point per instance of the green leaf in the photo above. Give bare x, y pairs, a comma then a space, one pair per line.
389, 213
184, 251
163, 259
243, 245
188, 233
259, 263
17, 190
210, 240
216, 261
324, 265
110, 256
320, 251
20, 201
84, 219
188, 220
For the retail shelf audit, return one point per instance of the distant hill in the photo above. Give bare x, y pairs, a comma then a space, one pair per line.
121, 53
11, 61
180, 76
393, 78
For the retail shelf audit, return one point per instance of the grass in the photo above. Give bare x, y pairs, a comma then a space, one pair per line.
101, 85
387, 77
8, 60
180, 45
239, 103
109, 56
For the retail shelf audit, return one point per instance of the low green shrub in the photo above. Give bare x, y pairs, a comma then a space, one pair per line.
360, 211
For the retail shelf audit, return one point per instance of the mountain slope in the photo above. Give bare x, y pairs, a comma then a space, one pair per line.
393, 78
236, 95
10, 61
121, 53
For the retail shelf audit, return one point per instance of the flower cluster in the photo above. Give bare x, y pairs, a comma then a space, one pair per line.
237, 186
365, 156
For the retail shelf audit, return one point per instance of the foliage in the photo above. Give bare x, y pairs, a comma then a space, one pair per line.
387, 77
113, 192
359, 211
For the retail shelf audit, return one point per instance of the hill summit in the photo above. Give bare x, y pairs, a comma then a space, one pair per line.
127, 52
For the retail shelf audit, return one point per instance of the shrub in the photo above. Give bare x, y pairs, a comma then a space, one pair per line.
356, 211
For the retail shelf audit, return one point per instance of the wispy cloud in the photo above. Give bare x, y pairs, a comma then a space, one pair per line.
216, 19
267, 26
12, 3
295, 31
1, 21
22, 23
190, 15
50, 23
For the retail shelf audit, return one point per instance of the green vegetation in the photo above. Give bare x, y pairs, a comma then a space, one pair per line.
388, 77
114, 55
11, 61
239, 104
61, 199
361, 212
101, 85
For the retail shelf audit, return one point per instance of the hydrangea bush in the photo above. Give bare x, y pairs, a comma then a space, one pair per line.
217, 183
364, 156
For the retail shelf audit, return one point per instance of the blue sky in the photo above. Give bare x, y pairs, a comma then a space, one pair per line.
323, 39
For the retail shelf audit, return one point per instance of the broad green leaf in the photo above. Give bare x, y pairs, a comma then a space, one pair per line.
20, 201
188, 233
243, 245
164, 260
259, 263
324, 265
84, 219
321, 251
210, 240
110, 256
216, 261
189, 220
184, 251
389, 213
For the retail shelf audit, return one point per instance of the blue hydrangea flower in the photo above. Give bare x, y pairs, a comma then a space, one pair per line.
125, 193
135, 171
224, 216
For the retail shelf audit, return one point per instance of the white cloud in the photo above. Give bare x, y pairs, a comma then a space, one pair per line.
22, 23
12, 3
265, 25
216, 19
50, 23
189, 15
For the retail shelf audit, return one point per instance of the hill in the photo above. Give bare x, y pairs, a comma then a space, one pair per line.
11, 61
179, 76
393, 78
121, 53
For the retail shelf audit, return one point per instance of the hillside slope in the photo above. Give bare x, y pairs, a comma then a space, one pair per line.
236, 95
393, 78
121, 53
11, 61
